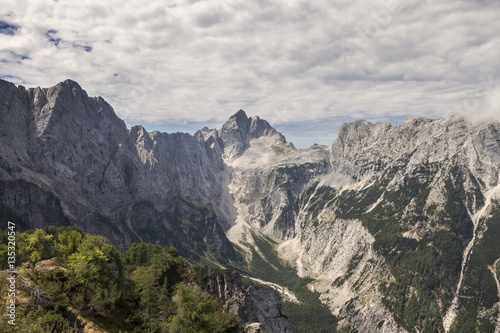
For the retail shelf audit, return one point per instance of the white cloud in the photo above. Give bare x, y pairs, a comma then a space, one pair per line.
483, 109
287, 61
492, 105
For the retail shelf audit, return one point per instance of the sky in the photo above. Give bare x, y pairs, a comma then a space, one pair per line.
305, 66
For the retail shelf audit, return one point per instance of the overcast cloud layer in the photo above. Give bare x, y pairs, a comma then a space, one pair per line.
306, 66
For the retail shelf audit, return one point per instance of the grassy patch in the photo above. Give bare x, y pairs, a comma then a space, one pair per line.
310, 315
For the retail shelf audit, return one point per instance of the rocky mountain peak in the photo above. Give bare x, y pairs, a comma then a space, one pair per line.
6, 85
66, 90
237, 132
207, 134
358, 134
70, 84
67, 102
416, 121
240, 116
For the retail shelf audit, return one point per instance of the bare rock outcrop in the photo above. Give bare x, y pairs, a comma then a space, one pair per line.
258, 307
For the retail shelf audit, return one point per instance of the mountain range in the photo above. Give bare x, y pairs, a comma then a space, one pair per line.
394, 228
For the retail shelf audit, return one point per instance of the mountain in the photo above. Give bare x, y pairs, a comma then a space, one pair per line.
394, 228
239, 130
66, 158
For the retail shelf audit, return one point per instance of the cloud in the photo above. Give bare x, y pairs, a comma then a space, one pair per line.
287, 61
482, 109
492, 105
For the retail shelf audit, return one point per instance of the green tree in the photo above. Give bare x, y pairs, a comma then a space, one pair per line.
66, 243
139, 254
155, 278
34, 246
92, 261
197, 313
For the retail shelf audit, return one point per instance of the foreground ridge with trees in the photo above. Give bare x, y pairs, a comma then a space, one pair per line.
70, 280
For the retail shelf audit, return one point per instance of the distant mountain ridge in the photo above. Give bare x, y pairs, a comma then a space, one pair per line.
395, 225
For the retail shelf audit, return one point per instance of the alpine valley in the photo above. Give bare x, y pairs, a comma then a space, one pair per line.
389, 229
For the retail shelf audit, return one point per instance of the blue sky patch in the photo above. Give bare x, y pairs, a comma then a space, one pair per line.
50, 34
20, 56
83, 47
7, 28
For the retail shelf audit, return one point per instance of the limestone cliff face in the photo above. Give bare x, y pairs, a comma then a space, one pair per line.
30, 205
74, 148
259, 308
340, 257
378, 191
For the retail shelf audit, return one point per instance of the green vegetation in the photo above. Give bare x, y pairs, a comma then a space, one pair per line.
323, 196
72, 280
197, 313
310, 315
426, 272
193, 230
479, 290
